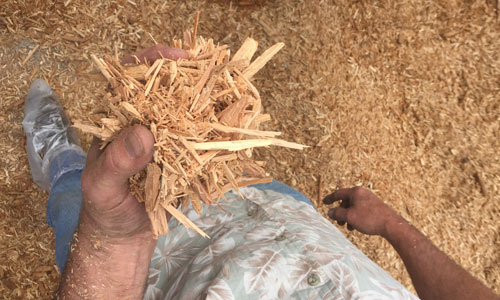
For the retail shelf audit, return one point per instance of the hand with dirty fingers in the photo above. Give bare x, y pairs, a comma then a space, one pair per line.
433, 273
361, 210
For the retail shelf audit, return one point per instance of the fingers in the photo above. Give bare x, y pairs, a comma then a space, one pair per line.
108, 172
153, 53
345, 204
342, 194
338, 214
167, 52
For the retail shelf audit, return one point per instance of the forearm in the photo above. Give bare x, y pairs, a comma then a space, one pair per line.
100, 267
434, 274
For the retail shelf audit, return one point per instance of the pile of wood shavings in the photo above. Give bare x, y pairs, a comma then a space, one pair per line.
377, 87
204, 114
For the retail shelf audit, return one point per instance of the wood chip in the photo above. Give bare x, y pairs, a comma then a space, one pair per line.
184, 220
246, 51
152, 185
262, 60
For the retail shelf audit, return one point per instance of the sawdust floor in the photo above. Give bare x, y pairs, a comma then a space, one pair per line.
399, 97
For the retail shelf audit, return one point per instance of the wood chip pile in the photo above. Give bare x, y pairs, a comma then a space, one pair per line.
402, 99
204, 113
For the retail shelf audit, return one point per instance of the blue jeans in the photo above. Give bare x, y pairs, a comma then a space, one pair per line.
65, 203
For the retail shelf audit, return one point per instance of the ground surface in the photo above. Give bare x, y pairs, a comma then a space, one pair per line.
400, 97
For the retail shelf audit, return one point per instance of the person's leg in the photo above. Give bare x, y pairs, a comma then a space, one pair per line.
65, 200
56, 162
280, 187
63, 210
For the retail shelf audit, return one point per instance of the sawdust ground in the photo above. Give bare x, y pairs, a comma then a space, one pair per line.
399, 97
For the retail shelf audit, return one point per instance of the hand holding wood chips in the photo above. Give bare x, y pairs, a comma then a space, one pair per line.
204, 114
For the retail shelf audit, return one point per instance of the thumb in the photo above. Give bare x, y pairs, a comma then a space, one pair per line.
125, 156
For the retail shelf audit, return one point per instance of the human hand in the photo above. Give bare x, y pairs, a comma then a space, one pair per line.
105, 180
113, 245
361, 210
153, 53
108, 206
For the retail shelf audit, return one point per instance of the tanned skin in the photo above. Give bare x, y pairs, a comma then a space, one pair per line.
433, 273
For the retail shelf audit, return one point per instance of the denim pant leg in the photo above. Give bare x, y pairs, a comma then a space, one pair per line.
64, 205
282, 188
63, 211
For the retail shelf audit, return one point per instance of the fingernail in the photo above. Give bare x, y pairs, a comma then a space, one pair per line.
133, 145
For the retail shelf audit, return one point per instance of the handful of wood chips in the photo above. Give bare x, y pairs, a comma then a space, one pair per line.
204, 113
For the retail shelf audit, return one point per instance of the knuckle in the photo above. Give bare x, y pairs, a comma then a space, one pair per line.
358, 191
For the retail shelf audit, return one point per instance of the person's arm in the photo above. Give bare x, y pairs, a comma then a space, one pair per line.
113, 245
433, 273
